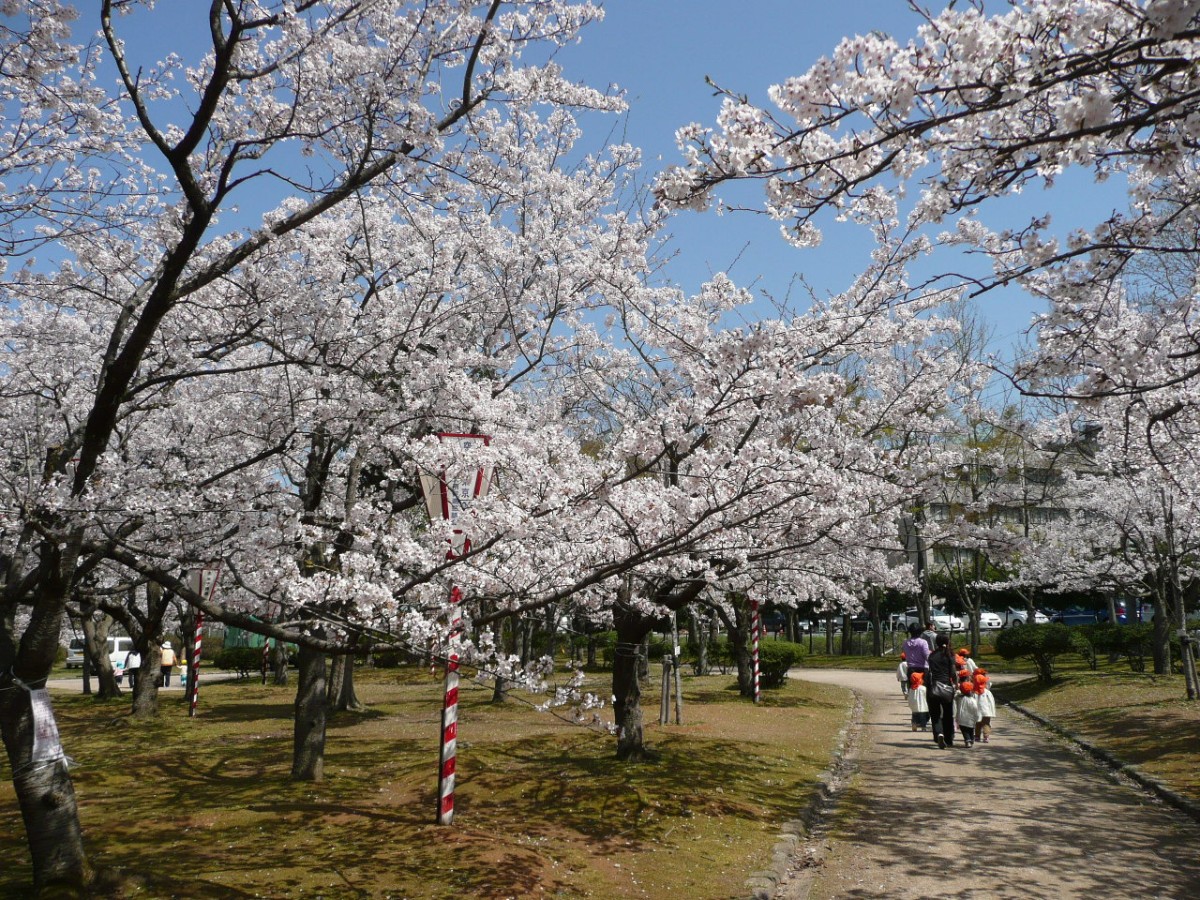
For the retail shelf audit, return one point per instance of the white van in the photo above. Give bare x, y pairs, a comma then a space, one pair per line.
118, 647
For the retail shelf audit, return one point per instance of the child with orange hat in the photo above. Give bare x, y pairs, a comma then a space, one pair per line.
987, 706
918, 702
966, 710
902, 674
965, 661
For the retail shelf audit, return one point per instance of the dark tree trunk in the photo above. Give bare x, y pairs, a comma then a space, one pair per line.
703, 667
743, 656
95, 638
500, 689
631, 629
308, 739
591, 651
149, 643
552, 630
643, 657
1162, 638
44, 792
281, 664
341, 685
145, 694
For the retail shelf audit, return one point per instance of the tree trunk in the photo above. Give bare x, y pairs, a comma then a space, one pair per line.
149, 643
643, 656
308, 736
703, 667
95, 638
1162, 637
552, 630
281, 664
44, 792
341, 685
500, 689
145, 693
631, 628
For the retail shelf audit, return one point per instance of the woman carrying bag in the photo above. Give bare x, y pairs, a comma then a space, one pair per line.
941, 684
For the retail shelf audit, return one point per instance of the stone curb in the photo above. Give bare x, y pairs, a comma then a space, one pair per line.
1117, 765
830, 784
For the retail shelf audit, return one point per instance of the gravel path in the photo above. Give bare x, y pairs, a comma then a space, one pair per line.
1021, 817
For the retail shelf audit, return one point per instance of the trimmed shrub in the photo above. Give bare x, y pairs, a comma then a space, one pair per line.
774, 660
1040, 643
242, 660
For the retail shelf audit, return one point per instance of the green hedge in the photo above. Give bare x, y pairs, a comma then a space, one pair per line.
1040, 643
242, 660
774, 660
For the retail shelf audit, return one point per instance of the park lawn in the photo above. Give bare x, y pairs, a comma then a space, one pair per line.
1146, 720
204, 808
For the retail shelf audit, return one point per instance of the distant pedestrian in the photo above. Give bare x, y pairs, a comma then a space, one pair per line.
987, 706
916, 652
133, 665
167, 663
942, 686
917, 702
966, 711
929, 635
902, 674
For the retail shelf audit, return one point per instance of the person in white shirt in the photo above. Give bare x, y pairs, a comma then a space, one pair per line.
918, 703
902, 675
133, 665
987, 706
966, 711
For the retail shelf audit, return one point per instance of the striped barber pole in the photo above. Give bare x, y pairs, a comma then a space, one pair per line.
195, 673
449, 744
755, 630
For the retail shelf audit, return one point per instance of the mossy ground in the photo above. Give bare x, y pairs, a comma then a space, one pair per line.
205, 808
1146, 720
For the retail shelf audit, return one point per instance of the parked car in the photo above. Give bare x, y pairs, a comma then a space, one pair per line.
990, 620
118, 647
1075, 615
75, 654
942, 620
1014, 616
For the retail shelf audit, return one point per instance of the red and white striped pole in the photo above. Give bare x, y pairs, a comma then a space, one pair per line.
449, 746
204, 582
195, 673
755, 628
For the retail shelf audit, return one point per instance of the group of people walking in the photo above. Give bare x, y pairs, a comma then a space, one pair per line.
133, 665
944, 688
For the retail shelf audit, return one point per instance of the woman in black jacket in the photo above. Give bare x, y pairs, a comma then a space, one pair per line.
941, 672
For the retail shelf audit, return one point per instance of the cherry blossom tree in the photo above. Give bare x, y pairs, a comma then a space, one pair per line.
135, 195
978, 107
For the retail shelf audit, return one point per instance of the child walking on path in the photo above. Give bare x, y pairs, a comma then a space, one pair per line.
902, 674
966, 711
987, 706
917, 702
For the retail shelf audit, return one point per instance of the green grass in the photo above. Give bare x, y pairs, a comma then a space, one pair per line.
205, 808
1145, 720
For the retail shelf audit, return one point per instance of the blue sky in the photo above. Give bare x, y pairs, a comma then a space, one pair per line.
660, 51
